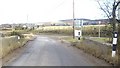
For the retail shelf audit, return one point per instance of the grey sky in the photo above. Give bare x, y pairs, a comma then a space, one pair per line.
16, 11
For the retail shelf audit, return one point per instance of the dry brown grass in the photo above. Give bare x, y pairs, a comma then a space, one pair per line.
9, 44
95, 50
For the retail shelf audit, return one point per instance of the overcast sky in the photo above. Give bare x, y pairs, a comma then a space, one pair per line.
16, 11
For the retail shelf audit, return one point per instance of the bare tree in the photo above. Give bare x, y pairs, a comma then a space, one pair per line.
105, 6
109, 7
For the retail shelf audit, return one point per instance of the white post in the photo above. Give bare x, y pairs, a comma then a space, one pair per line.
18, 37
114, 44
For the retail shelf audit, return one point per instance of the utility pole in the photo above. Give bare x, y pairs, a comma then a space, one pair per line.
12, 26
81, 27
27, 19
99, 29
115, 31
26, 23
119, 11
119, 34
73, 20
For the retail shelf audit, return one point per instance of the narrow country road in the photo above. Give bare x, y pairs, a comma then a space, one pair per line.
47, 51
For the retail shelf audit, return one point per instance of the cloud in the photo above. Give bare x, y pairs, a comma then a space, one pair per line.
16, 11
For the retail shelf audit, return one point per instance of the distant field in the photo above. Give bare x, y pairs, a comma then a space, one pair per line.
59, 27
56, 27
88, 30
70, 27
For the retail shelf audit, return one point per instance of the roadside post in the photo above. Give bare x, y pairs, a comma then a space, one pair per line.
114, 44
78, 35
18, 37
78, 29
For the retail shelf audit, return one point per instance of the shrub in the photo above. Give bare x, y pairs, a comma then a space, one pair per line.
2, 35
16, 33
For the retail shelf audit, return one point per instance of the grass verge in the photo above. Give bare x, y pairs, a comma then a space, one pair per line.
9, 44
99, 51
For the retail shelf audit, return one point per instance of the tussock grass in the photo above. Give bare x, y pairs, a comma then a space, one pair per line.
94, 50
11, 43
0, 52
101, 39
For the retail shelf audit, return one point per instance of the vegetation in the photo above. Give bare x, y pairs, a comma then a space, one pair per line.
16, 33
101, 39
11, 43
93, 30
119, 44
65, 30
110, 8
88, 30
100, 51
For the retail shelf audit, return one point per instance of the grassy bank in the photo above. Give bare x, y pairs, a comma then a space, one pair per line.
99, 51
11, 43
101, 39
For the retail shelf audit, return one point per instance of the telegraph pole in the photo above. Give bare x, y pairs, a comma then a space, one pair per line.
27, 19
81, 27
99, 28
12, 27
115, 34
73, 20
119, 11
119, 32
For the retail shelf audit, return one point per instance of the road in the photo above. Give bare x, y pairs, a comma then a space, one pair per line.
47, 51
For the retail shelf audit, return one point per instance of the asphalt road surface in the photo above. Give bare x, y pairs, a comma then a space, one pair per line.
47, 51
